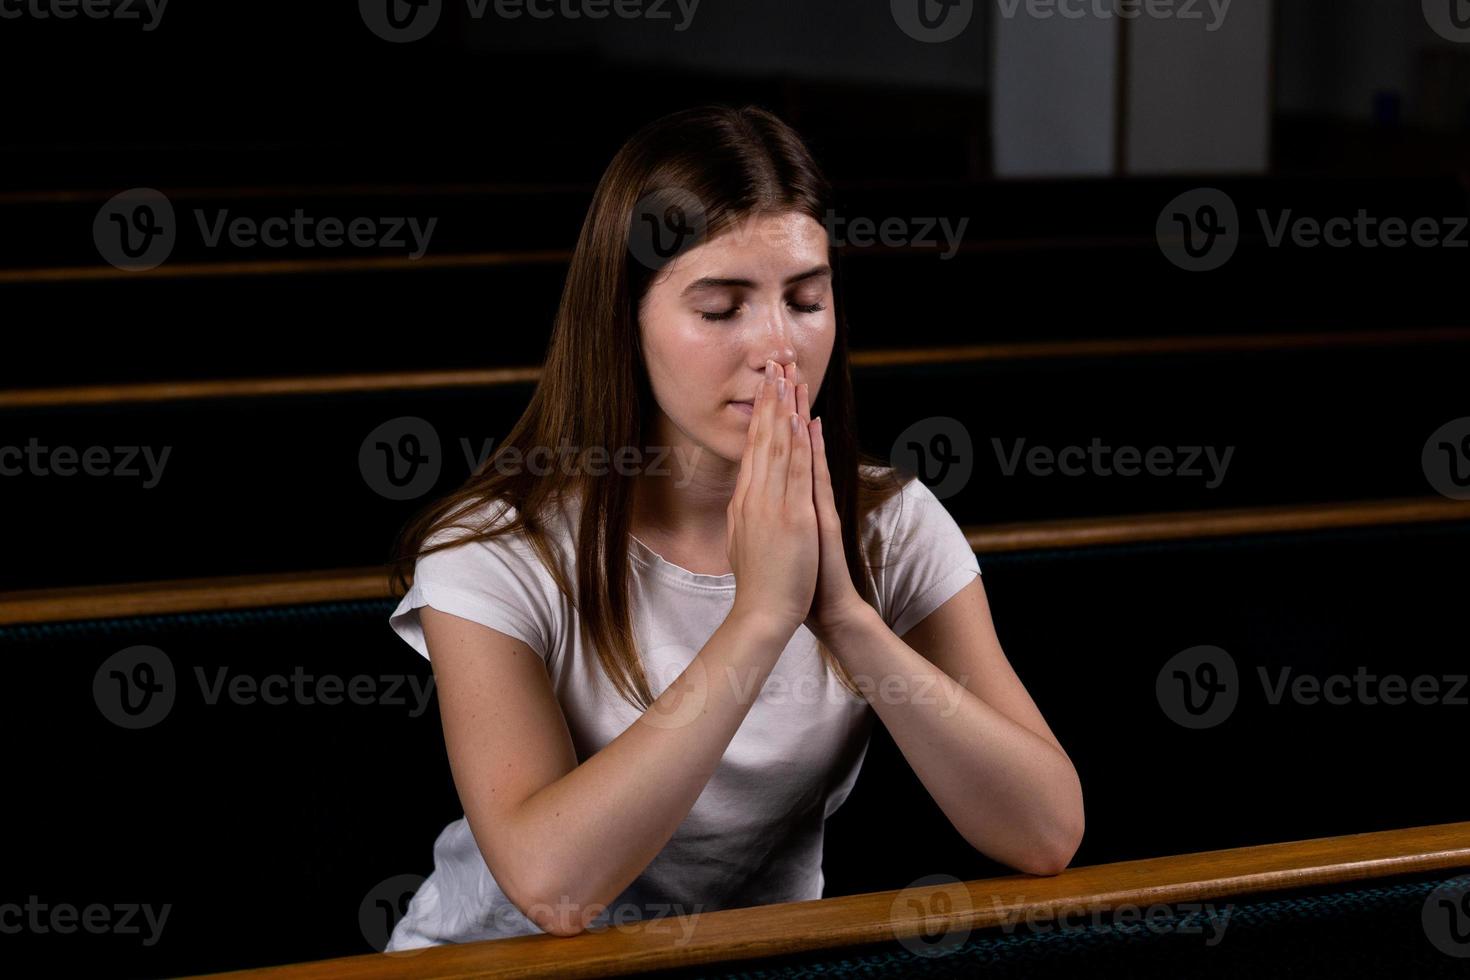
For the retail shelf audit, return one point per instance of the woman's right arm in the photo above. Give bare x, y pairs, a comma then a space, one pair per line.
562, 839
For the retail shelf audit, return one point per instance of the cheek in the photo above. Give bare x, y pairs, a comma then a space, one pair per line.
691, 366
814, 344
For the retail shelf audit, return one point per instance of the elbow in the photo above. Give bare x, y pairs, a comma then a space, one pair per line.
554, 910
558, 920
1057, 848
1053, 845
1047, 862
541, 894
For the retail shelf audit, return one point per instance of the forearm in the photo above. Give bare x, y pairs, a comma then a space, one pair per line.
1009, 791
594, 830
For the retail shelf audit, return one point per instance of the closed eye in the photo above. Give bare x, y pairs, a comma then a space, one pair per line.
798, 307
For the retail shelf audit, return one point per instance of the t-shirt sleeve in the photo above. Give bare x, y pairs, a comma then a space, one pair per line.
496, 583
927, 559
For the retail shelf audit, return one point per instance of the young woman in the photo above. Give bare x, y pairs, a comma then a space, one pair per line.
663, 616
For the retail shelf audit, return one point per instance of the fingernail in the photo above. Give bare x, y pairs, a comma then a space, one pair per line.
817, 424
795, 422
770, 370
780, 387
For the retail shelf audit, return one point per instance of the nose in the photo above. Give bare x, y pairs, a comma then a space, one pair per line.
774, 344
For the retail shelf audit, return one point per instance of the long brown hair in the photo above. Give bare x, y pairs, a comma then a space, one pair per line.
726, 164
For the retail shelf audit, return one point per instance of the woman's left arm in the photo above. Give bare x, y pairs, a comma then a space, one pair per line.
966, 724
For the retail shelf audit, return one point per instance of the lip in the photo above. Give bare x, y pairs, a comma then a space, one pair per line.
744, 408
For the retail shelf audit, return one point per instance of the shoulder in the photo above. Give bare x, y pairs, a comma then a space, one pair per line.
486, 537
498, 580
923, 558
908, 499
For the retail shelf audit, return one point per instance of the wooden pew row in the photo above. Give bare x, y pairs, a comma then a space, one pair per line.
1235, 429
1050, 249
775, 930
50, 229
501, 315
1088, 630
350, 584
1102, 348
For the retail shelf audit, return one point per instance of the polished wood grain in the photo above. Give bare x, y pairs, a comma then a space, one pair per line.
159, 391
1094, 532
337, 384
294, 588
192, 595
771, 930
283, 267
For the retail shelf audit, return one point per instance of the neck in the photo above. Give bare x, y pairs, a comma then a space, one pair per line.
682, 497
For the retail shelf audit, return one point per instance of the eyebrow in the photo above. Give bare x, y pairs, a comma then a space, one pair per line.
711, 282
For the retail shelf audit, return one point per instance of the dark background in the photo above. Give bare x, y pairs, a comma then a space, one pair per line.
278, 833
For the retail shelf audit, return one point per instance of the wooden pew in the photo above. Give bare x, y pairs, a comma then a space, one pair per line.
774, 930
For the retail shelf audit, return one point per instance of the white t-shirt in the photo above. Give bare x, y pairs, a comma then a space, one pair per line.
754, 835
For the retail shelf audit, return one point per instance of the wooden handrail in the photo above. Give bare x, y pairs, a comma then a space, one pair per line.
351, 584
159, 391
1092, 532
509, 188
284, 267
795, 927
